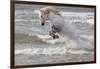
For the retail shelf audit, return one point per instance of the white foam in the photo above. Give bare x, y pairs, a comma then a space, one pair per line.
45, 51
48, 39
79, 51
51, 51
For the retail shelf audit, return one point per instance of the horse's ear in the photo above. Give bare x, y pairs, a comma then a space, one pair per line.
44, 11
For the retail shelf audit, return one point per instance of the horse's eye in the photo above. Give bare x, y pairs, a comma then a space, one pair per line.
41, 16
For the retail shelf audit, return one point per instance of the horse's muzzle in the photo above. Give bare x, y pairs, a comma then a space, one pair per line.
42, 24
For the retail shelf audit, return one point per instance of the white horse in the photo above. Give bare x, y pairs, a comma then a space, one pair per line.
60, 26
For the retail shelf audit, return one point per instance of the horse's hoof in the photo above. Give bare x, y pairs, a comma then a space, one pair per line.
55, 36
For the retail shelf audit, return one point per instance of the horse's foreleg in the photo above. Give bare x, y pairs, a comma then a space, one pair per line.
53, 35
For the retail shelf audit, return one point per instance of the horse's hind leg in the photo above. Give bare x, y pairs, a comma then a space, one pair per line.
53, 35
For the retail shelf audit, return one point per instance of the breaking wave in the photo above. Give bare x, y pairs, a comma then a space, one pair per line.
29, 38
50, 51
57, 46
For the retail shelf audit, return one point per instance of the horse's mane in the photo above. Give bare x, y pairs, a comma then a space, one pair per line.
50, 8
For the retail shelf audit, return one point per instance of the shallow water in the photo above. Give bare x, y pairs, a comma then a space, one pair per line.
28, 53
33, 45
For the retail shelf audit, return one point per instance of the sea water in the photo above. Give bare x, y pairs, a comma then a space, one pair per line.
34, 45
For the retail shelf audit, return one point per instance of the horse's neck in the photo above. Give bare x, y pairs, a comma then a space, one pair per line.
53, 16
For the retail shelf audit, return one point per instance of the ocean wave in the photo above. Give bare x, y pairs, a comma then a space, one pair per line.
30, 38
51, 51
44, 51
49, 39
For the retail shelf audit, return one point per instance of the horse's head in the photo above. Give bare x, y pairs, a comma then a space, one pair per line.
44, 13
